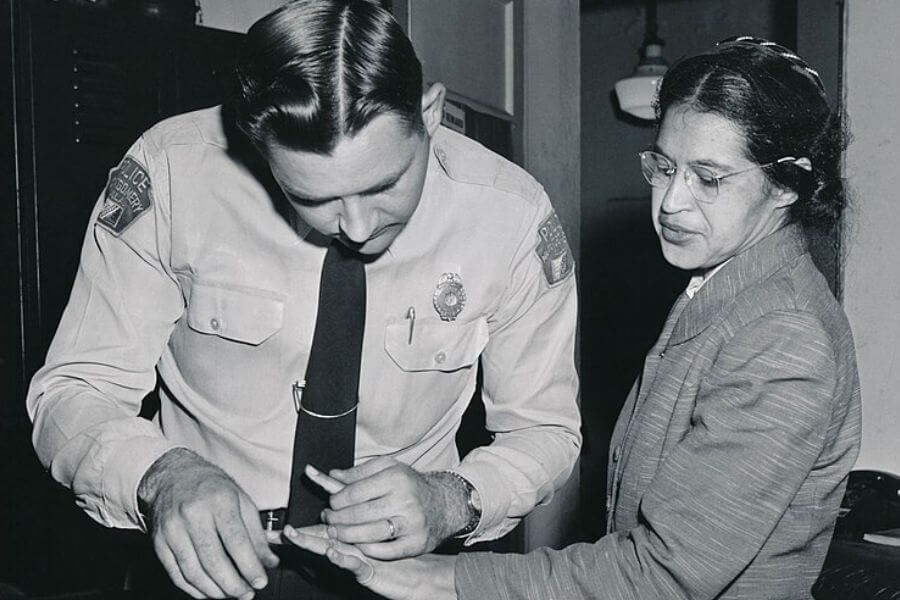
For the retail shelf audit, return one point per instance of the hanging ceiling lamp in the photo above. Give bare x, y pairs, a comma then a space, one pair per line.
637, 92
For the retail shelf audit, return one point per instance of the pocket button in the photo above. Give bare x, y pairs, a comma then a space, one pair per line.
440, 357
214, 323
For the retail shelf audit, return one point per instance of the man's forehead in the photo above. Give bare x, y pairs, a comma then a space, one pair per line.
379, 154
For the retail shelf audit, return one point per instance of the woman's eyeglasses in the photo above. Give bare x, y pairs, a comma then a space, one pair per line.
702, 182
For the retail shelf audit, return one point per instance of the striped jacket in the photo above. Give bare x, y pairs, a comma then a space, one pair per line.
730, 456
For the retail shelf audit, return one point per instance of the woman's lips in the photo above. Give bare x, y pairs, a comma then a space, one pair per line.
674, 234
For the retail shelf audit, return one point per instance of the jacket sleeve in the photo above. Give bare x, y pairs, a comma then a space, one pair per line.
84, 402
760, 421
530, 384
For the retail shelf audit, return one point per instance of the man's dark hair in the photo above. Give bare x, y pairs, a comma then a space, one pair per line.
315, 71
779, 102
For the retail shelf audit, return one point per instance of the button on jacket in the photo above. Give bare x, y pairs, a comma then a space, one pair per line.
215, 286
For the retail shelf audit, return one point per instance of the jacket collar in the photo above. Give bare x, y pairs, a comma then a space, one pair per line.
743, 271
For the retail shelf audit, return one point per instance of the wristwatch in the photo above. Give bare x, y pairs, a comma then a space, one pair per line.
472, 504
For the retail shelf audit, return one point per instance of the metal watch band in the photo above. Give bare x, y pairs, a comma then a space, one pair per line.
474, 511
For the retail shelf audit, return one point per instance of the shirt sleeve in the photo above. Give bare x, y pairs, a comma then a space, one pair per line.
530, 383
760, 422
125, 300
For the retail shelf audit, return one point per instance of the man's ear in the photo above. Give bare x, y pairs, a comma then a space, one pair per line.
433, 107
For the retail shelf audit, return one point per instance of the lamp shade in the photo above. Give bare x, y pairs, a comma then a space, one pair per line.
637, 93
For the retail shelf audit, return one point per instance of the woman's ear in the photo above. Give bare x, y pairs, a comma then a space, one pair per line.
433, 106
784, 197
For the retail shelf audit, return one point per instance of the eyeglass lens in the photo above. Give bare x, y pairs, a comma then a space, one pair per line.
659, 170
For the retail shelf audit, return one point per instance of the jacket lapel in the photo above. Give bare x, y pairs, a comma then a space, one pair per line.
755, 264
638, 441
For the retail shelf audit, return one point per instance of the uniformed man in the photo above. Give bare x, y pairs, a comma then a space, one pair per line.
202, 264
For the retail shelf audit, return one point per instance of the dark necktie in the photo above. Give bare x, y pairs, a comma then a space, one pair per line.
326, 423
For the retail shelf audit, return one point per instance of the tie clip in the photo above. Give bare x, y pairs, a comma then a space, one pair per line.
297, 392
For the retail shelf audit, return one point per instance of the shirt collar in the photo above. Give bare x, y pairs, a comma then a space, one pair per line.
698, 280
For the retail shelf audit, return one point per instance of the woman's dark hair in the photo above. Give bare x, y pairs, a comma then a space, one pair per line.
314, 71
779, 103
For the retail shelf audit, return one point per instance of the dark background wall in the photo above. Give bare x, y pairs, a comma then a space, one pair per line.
626, 286
78, 83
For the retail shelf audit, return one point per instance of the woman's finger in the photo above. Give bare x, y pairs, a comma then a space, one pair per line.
308, 538
343, 555
363, 571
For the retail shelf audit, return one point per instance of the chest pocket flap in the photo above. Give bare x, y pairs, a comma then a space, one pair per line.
242, 315
436, 345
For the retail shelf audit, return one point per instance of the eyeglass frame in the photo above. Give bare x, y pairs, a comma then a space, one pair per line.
670, 172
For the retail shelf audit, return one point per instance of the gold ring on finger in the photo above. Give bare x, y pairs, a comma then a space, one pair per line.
392, 530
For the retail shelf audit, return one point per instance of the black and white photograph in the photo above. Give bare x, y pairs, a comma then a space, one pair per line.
450, 300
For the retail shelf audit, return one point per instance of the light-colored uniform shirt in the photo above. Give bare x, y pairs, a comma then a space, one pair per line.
191, 268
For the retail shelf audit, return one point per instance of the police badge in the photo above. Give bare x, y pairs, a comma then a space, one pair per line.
449, 296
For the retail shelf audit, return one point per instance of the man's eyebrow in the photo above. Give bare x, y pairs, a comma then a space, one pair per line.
388, 183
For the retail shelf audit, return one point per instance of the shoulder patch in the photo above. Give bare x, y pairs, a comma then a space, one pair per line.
127, 196
553, 250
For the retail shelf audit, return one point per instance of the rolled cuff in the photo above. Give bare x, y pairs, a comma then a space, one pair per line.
127, 465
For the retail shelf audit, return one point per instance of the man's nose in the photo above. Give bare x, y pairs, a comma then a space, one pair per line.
357, 220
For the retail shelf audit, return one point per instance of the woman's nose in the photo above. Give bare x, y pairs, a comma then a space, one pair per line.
678, 195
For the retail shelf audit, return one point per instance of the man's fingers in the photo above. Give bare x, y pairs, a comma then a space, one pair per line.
329, 484
369, 511
389, 550
190, 569
216, 562
258, 537
379, 487
375, 531
362, 470
243, 552
167, 560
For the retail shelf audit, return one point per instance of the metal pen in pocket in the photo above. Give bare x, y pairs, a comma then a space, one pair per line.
411, 317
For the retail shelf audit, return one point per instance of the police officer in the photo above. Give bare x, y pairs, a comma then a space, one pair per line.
200, 273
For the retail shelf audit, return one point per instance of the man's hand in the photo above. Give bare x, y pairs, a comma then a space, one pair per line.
205, 529
389, 510
429, 577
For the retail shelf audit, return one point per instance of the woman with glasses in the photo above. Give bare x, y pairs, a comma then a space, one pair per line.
731, 454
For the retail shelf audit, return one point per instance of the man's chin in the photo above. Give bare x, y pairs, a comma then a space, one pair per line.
370, 248
373, 246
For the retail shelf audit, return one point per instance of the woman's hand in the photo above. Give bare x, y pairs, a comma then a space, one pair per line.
428, 577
